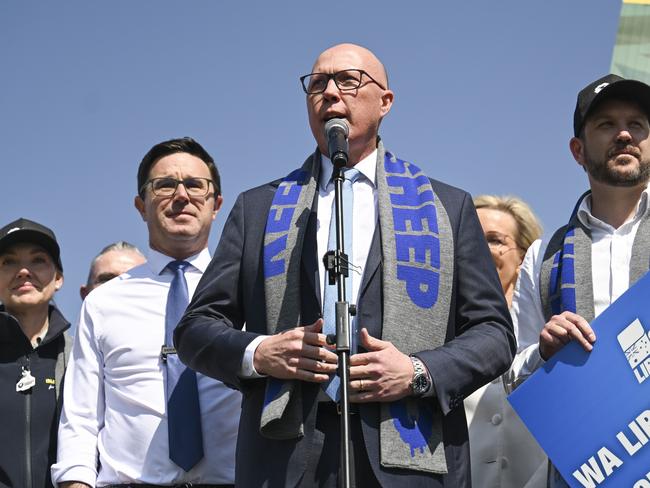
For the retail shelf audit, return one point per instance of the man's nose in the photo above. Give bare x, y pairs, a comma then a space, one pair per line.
181, 192
624, 135
331, 90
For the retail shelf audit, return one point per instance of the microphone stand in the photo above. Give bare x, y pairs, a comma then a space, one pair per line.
337, 266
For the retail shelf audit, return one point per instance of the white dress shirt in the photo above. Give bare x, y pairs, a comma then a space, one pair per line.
364, 220
611, 253
114, 399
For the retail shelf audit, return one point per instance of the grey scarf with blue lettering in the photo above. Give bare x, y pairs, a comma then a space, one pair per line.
566, 272
417, 258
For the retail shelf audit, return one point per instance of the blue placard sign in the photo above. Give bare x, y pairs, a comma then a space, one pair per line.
590, 412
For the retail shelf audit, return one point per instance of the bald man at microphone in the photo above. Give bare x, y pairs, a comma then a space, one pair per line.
431, 323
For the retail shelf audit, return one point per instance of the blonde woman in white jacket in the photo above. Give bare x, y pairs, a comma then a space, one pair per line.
503, 453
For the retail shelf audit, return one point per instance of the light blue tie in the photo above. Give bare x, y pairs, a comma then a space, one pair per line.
183, 409
330, 295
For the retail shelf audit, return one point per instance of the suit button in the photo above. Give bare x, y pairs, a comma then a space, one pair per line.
496, 419
504, 463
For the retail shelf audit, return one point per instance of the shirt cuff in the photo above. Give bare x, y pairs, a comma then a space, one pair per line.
525, 363
247, 370
537, 361
80, 474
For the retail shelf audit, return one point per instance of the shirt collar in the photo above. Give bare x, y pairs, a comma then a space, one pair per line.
367, 167
158, 261
588, 220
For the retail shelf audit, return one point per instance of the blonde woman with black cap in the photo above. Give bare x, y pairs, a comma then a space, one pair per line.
33, 350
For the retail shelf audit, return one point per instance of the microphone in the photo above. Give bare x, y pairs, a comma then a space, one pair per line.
336, 132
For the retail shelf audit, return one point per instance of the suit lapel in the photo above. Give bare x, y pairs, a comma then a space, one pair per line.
372, 263
310, 258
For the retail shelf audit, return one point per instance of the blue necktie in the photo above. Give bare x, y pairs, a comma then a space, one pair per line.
183, 410
330, 295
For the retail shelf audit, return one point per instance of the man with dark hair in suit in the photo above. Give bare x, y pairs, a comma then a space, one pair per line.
432, 321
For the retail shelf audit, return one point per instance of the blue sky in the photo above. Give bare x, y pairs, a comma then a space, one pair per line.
484, 99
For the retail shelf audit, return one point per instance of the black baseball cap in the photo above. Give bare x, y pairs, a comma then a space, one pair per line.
25, 230
610, 86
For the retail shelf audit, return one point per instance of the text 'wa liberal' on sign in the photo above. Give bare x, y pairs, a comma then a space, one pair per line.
603, 463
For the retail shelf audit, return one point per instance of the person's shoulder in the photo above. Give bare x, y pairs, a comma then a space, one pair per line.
536, 249
451, 197
121, 285
134, 276
531, 265
57, 320
553, 243
255, 200
447, 191
260, 197
140, 271
444, 191
300, 174
263, 189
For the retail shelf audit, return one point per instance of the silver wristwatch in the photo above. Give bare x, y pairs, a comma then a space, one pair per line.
420, 383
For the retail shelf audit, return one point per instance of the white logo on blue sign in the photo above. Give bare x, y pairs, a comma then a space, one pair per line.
635, 342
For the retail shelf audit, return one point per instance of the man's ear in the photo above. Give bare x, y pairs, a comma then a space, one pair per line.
577, 148
218, 201
386, 102
139, 205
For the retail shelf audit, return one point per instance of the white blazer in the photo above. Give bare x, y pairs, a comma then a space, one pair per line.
503, 453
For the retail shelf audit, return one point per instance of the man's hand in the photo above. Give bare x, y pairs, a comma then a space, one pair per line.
383, 374
563, 328
298, 353
73, 484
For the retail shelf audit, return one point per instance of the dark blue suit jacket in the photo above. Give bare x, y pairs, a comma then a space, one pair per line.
479, 342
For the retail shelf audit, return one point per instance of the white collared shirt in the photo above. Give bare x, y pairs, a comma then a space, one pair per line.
611, 254
364, 220
114, 399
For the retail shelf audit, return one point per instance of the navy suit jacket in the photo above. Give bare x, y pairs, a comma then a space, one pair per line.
479, 342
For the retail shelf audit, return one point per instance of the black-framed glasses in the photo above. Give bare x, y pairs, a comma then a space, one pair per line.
498, 242
346, 80
167, 186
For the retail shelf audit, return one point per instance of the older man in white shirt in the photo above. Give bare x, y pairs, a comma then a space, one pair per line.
134, 415
568, 281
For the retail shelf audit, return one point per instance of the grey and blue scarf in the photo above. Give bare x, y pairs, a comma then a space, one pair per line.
417, 257
566, 273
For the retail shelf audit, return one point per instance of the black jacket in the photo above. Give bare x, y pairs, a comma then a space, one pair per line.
479, 342
29, 419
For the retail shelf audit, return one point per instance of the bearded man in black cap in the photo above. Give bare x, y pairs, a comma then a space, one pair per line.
608, 231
